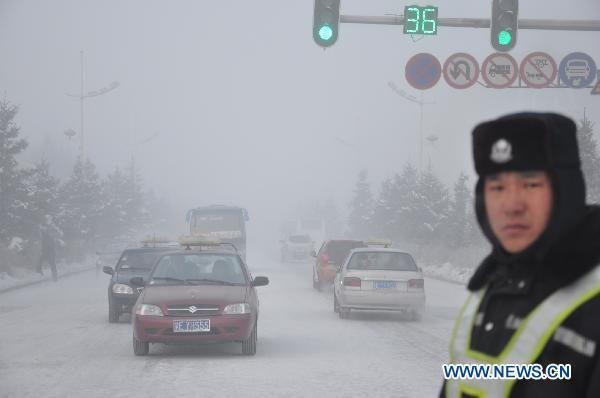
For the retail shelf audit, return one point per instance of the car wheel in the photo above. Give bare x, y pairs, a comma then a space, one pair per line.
249, 345
336, 305
416, 315
113, 313
315, 282
344, 313
140, 347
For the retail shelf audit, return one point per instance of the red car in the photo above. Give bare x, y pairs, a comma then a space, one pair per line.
195, 296
330, 257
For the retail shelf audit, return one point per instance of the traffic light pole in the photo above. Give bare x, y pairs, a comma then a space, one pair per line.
537, 24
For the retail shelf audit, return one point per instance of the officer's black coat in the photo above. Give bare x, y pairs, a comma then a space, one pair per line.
517, 284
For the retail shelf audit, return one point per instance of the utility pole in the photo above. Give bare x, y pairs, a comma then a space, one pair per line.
421, 103
83, 96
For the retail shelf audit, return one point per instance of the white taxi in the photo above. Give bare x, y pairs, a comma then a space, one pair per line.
379, 279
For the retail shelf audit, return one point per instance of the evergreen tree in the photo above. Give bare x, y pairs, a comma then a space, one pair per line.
43, 191
458, 222
405, 203
361, 208
136, 214
13, 195
113, 212
432, 208
590, 159
383, 210
81, 202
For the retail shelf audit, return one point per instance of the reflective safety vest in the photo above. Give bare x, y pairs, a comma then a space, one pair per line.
524, 346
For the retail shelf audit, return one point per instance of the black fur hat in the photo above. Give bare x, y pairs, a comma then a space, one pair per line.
525, 141
532, 141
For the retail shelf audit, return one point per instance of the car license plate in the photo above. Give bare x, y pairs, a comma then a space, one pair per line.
384, 285
191, 326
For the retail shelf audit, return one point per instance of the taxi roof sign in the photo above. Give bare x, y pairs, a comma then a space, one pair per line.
379, 242
154, 240
198, 240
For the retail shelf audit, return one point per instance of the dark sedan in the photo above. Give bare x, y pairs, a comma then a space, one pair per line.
197, 297
136, 262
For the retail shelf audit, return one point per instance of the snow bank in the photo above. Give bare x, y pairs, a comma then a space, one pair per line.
21, 276
448, 272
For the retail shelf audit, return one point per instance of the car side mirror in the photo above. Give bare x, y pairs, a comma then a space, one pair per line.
420, 269
108, 270
313, 253
260, 281
137, 281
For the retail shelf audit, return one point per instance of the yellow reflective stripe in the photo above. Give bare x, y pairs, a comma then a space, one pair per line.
476, 392
559, 320
550, 331
545, 337
457, 325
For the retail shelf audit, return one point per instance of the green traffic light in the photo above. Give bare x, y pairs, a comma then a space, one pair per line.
325, 33
504, 38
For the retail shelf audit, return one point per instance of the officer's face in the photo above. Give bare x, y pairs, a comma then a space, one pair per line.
518, 206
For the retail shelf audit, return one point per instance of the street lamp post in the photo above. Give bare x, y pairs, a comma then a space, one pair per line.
421, 103
83, 96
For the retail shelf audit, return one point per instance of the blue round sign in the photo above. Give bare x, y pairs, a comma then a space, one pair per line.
577, 70
423, 71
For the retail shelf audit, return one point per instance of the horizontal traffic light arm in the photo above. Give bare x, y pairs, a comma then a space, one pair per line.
537, 24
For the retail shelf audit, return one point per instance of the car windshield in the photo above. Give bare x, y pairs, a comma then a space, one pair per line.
138, 260
223, 269
299, 239
382, 261
338, 251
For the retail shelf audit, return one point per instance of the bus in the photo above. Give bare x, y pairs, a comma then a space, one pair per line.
227, 223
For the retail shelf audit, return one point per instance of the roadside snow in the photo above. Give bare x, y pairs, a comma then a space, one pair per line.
25, 276
449, 273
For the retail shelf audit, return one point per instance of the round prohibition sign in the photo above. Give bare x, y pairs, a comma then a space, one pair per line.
461, 70
423, 71
499, 70
538, 70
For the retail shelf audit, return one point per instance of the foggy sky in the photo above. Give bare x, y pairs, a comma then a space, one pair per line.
245, 108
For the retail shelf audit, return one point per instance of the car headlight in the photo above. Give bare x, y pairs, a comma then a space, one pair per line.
120, 288
241, 308
148, 309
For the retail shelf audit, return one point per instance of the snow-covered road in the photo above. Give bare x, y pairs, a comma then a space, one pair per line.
55, 341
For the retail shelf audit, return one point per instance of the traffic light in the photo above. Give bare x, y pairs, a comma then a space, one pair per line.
326, 22
504, 24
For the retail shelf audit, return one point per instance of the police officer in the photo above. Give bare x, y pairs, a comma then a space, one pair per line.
535, 299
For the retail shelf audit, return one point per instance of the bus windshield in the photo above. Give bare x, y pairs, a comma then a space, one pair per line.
207, 223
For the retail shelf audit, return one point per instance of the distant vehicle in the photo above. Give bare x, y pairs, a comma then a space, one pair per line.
197, 296
577, 68
227, 223
296, 247
330, 256
314, 227
132, 262
379, 279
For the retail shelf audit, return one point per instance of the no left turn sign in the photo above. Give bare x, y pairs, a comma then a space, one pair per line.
499, 70
538, 70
